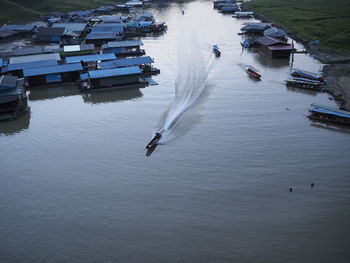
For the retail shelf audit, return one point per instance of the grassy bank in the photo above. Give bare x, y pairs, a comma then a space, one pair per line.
24, 10
324, 20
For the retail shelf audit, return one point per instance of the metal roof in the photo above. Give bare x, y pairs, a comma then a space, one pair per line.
117, 44
268, 41
19, 28
331, 112
20, 66
97, 36
125, 62
108, 28
7, 33
115, 72
74, 27
87, 58
111, 19
23, 51
33, 58
51, 31
8, 81
52, 69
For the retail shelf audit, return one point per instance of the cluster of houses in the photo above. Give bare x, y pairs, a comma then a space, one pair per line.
97, 53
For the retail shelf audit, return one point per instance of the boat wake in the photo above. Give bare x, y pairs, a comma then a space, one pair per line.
190, 84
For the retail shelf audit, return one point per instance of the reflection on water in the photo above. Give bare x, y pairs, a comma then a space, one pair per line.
15, 126
330, 126
53, 91
111, 95
304, 91
265, 61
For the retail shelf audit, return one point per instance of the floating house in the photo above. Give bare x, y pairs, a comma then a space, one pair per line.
13, 98
274, 48
107, 78
17, 68
145, 64
50, 34
329, 114
53, 74
124, 48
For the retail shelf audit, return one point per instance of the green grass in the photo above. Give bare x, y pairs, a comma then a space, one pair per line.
324, 20
24, 10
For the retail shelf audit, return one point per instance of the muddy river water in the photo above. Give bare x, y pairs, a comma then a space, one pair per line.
76, 184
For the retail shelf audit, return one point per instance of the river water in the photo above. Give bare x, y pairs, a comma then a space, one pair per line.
76, 184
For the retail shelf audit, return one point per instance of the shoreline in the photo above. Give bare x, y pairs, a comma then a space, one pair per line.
336, 69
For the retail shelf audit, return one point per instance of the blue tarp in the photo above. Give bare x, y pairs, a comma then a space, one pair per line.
320, 110
52, 69
88, 58
126, 62
20, 66
115, 72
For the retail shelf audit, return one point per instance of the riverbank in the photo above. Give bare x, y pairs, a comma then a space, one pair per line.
19, 11
309, 24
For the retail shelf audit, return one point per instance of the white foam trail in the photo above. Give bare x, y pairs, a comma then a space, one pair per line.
189, 87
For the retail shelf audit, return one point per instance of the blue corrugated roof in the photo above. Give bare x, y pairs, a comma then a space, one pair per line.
128, 43
36, 64
52, 69
92, 36
115, 72
108, 28
87, 58
126, 62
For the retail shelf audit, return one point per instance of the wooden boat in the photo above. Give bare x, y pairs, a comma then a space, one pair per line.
304, 83
216, 51
154, 141
253, 73
329, 114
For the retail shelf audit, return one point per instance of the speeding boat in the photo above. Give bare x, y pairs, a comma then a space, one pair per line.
253, 73
216, 51
155, 140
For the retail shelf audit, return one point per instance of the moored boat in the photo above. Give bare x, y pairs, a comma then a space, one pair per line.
307, 75
329, 114
304, 83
